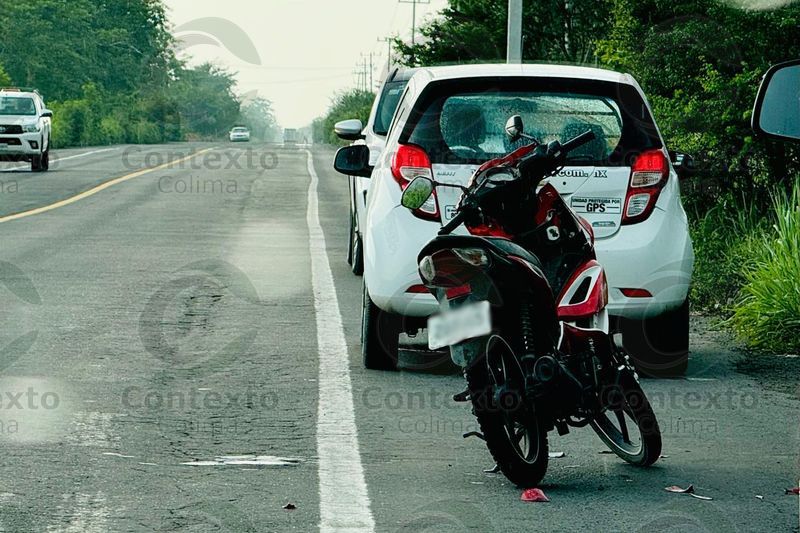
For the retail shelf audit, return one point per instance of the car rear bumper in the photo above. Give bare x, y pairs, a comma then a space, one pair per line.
655, 255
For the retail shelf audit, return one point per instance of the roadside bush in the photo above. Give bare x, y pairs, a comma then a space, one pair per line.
726, 240
767, 315
347, 105
111, 130
143, 132
69, 122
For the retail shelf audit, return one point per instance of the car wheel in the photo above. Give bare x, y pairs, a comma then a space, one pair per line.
659, 347
36, 163
380, 336
45, 162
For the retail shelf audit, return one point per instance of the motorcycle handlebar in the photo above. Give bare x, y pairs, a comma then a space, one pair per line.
567, 147
453, 224
578, 141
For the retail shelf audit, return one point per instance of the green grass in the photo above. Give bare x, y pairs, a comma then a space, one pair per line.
766, 314
725, 238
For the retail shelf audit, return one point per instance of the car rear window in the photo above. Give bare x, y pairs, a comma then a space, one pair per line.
390, 98
463, 123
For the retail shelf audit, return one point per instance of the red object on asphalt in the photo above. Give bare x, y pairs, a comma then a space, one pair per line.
795, 491
534, 495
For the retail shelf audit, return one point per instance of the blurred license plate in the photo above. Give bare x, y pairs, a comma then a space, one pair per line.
458, 325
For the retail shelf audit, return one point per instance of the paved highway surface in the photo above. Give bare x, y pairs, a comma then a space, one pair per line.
179, 351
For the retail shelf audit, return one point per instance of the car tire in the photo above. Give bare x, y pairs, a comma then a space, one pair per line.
380, 336
659, 347
36, 163
45, 161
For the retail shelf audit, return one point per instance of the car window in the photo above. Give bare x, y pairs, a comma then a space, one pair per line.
402, 111
12, 105
468, 126
390, 99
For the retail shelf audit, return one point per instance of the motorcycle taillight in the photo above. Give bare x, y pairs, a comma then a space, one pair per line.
453, 268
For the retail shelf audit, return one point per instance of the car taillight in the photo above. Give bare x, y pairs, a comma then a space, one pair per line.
649, 174
409, 162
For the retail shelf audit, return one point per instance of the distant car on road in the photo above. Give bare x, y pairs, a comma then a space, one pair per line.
239, 134
25, 127
374, 136
450, 120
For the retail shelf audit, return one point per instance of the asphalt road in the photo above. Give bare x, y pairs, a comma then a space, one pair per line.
164, 342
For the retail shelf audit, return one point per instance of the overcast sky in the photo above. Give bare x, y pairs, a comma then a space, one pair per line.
306, 49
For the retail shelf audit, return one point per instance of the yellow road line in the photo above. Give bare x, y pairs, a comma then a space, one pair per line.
97, 189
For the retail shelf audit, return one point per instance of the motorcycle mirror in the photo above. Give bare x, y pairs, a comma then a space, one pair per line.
417, 193
515, 128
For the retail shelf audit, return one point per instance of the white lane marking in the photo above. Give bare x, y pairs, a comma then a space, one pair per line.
247, 460
93, 152
60, 159
343, 497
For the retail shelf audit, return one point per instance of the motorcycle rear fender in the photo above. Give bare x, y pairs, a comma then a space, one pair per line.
585, 294
514, 275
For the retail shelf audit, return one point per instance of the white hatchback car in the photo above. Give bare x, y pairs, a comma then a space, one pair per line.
451, 119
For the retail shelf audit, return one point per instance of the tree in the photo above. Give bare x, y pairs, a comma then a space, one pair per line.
258, 115
206, 100
353, 104
475, 30
5, 79
701, 71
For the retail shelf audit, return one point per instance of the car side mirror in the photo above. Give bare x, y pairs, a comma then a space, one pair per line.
47, 113
417, 193
683, 164
349, 130
515, 128
353, 161
777, 110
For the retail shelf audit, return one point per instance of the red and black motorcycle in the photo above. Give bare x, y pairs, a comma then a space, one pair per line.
522, 309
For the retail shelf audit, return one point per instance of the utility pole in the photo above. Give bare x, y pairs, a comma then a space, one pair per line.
361, 74
389, 40
514, 31
414, 17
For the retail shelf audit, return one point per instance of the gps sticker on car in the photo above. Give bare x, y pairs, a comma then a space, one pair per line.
597, 205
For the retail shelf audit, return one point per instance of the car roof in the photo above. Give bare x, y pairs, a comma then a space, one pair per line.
402, 74
429, 74
15, 92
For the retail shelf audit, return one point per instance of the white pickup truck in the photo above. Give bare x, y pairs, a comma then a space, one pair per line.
25, 126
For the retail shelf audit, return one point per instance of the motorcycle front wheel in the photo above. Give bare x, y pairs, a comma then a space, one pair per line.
513, 434
628, 425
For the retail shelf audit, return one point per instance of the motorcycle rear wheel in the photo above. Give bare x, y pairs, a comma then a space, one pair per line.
515, 437
627, 403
